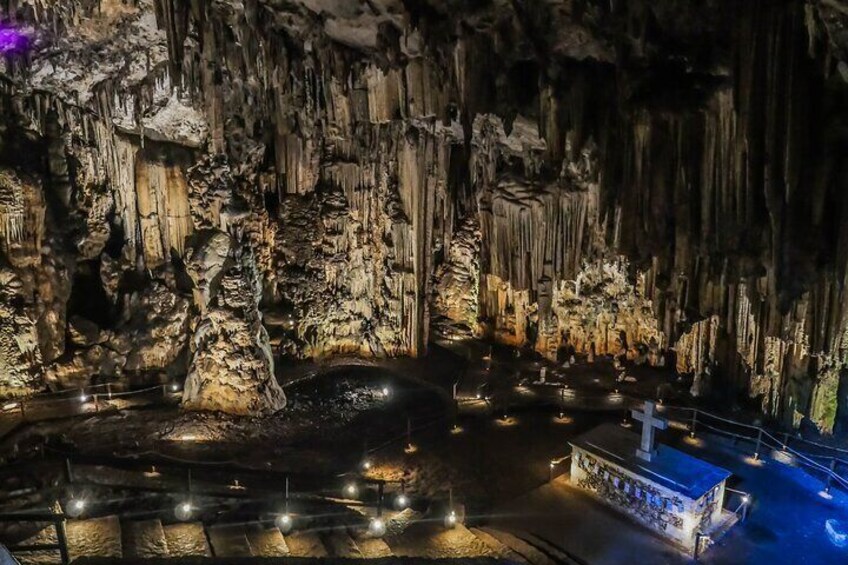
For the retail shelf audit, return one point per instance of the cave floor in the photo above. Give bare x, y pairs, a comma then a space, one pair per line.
492, 453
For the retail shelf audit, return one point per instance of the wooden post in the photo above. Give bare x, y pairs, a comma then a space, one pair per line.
830, 475
380, 487
109, 390
69, 475
694, 422
759, 443
287, 494
62, 538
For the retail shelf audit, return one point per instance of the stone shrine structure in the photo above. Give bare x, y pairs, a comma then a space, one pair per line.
677, 496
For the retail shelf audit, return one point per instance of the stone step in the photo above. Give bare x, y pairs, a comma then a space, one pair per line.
45, 536
554, 552
339, 543
229, 540
266, 541
499, 548
530, 554
97, 537
187, 540
430, 539
369, 546
144, 539
306, 543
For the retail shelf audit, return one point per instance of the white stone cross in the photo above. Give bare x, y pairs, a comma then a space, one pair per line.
649, 423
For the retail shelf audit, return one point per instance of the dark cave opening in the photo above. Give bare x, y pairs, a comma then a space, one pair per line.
88, 297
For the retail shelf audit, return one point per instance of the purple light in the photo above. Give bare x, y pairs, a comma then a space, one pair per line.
12, 40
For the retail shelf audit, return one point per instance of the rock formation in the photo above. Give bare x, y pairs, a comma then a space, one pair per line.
647, 179
232, 366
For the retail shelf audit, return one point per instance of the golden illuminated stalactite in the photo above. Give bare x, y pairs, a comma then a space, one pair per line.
696, 353
22, 209
163, 209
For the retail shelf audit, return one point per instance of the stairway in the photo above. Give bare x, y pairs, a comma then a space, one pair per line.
266, 541
500, 549
369, 546
187, 540
133, 540
229, 540
144, 539
96, 537
528, 552
306, 543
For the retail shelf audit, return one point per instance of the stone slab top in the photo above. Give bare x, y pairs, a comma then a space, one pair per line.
670, 468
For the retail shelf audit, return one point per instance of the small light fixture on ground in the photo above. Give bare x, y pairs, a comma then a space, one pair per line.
284, 522
366, 465
451, 519
175, 387
351, 490
562, 418
75, 507
410, 448
401, 501
753, 460
83, 398
376, 527
183, 511
386, 391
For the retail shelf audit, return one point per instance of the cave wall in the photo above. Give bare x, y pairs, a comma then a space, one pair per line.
645, 179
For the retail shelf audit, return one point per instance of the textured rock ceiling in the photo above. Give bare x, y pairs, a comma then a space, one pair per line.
191, 187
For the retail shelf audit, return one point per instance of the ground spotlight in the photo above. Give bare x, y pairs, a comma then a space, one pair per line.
387, 392
451, 519
175, 387
75, 507
401, 501
284, 522
83, 398
366, 465
351, 490
183, 511
377, 527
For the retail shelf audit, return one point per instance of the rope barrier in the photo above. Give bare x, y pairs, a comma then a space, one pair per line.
802, 458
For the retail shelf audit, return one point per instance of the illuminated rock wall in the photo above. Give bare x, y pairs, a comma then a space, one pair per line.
609, 178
